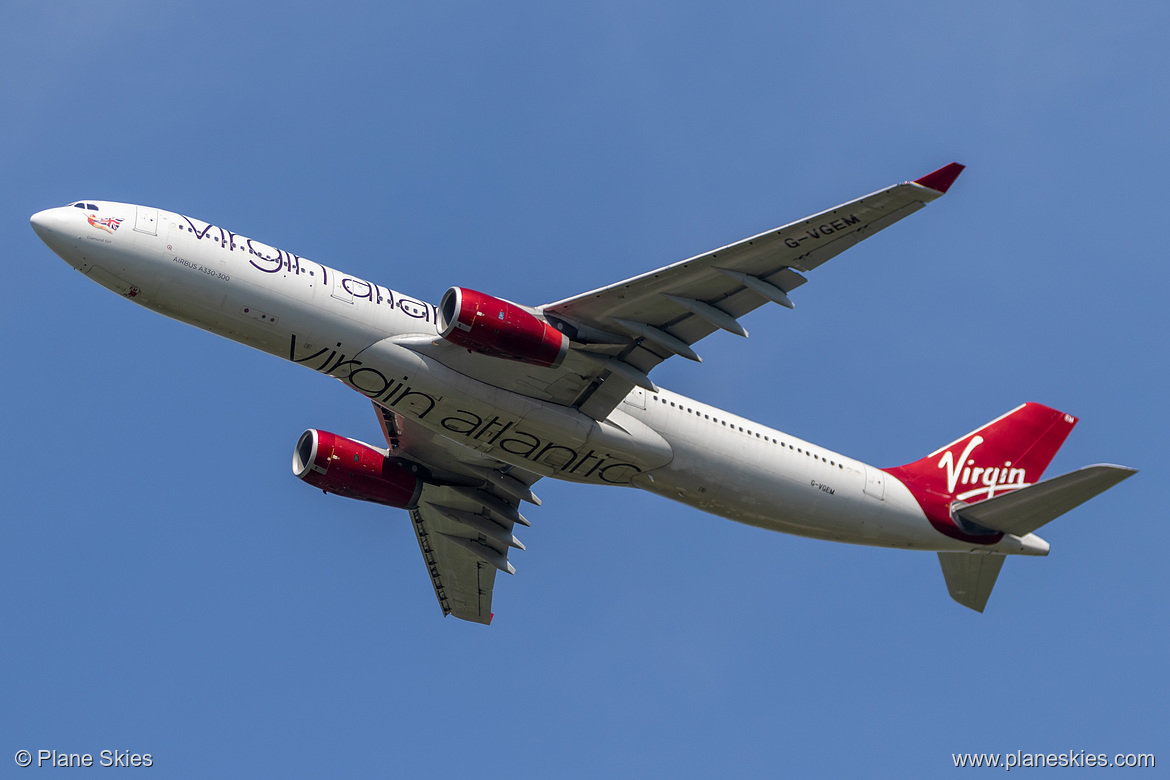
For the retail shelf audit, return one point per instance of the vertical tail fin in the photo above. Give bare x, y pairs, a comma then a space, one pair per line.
1009, 453
1006, 454
984, 485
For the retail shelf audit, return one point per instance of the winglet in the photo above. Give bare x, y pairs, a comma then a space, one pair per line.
942, 179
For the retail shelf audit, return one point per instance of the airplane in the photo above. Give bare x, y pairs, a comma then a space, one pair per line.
478, 397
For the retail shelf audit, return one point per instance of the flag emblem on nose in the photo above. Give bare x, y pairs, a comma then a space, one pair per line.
109, 224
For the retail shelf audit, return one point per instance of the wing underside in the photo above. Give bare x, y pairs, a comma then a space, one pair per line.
620, 332
462, 579
465, 517
627, 328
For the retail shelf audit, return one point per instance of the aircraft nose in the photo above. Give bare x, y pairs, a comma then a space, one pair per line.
53, 227
42, 223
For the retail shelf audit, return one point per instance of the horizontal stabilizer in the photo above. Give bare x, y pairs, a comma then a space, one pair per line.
970, 577
1023, 511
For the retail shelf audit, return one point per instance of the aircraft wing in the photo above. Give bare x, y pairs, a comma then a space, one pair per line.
626, 329
620, 332
465, 516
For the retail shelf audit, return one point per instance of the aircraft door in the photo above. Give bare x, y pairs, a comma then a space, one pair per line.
146, 221
875, 485
340, 291
636, 398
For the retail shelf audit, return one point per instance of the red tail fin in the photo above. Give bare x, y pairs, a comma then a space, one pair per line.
1009, 452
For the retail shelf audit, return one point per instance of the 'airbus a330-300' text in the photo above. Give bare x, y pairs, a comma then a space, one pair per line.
479, 397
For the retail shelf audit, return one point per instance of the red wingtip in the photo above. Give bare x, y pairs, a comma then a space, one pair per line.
942, 179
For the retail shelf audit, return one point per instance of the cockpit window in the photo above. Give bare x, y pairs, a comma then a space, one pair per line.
90, 206
77, 205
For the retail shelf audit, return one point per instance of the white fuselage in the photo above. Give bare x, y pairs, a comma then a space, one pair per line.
369, 337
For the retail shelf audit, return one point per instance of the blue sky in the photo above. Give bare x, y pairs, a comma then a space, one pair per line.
167, 586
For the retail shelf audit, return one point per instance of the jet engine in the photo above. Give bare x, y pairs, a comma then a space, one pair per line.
490, 326
355, 470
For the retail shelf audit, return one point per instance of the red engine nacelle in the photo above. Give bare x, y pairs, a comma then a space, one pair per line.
355, 470
494, 327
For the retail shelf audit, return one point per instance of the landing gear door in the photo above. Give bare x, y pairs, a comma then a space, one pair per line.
875, 483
